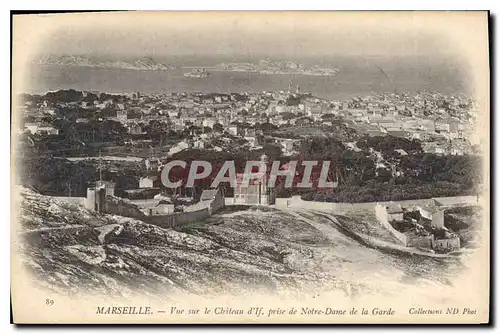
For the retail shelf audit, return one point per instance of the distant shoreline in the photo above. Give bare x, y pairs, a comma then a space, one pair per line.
210, 68
347, 84
263, 72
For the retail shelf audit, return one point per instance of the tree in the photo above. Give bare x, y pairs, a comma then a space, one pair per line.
66, 96
293, 101
266, 127
157, 130
218, 127
195, 130
272, 151
358, 167
288, 115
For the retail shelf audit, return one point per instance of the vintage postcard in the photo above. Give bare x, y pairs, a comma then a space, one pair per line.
250, 167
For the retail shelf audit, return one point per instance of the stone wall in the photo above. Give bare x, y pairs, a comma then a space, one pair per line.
446, 244
297, 202
178, 219
423, 241
217, 204
122, 207
381, 214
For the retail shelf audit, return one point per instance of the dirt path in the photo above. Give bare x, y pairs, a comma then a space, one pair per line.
44, 229
363, 239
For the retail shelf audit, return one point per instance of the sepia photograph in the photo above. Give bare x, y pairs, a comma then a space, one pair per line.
250, 167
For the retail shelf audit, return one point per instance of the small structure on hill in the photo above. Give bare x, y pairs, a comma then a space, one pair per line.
150, 180
211, 199
394, 212
423, 228
434, 212
96, 196
257, 191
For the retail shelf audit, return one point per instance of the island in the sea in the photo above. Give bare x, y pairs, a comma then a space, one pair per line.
198, 73
145, 63
277, 67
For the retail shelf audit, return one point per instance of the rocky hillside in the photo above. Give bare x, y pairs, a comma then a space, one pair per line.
71, 250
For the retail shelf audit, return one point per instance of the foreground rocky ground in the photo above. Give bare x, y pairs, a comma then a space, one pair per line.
73, 251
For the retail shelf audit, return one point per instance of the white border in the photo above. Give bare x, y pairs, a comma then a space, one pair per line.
199, 5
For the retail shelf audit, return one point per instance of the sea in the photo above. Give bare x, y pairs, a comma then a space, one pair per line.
358, 76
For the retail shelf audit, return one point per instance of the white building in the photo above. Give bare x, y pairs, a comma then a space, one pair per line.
233, 129
209, 122
148, 181
433, 212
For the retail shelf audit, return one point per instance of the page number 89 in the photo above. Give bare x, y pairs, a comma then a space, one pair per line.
49, 302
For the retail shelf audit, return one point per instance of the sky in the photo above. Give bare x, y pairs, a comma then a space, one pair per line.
236, 33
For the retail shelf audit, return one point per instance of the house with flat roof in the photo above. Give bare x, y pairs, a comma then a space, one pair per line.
434, 212
149, 180
394, 212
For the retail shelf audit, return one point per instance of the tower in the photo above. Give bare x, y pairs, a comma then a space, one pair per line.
264, 160
256, 192
100, 166
96, 196
297, 90
151, 157
265, 193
